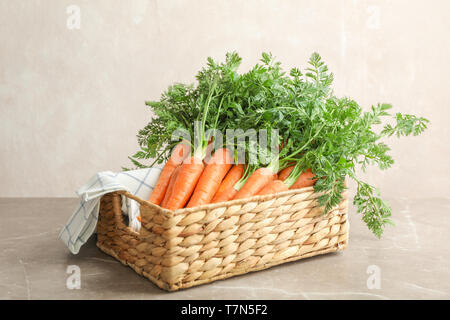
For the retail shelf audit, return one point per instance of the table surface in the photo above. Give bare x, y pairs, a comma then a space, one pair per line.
411, 261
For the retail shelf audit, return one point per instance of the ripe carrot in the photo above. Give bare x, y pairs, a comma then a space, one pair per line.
285, 173
293, 176
193, 166
211, 178
190, 172
305, 180
170, 187
180, 152
208, 151
258, 180
274, 186
227, 188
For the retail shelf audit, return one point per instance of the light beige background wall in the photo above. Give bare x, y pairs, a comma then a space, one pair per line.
71, 101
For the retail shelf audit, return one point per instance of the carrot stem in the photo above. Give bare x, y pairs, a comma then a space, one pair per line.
293, 177
305, 145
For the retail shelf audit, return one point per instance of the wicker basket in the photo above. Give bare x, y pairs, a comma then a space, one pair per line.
188, 247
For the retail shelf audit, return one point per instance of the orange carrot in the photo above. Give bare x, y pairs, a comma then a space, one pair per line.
193, 166
190, 172
208, 151
180, 152
170, 187
226, 189
258, 180
211, 178
285, 173
305, 180
274, 186
294, 177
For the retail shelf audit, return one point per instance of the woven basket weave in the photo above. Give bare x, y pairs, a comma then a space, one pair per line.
188, 247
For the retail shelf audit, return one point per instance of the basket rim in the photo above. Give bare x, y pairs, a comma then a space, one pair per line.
210, 206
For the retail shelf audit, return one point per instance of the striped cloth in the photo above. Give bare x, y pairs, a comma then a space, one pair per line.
82, 224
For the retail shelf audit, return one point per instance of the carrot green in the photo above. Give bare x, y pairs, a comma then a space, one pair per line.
333, 136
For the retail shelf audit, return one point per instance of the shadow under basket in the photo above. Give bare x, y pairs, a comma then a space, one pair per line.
188, 247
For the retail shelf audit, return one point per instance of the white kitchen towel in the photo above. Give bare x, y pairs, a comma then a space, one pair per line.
82, 224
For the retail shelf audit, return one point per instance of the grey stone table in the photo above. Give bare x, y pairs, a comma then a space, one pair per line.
411, 261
